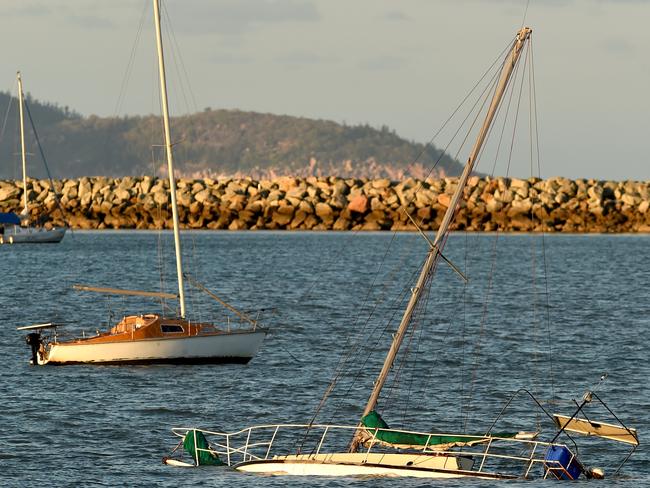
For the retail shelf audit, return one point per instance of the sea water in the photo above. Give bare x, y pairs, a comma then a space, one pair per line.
110, 425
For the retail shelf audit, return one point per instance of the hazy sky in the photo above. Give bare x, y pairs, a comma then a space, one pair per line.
403, 63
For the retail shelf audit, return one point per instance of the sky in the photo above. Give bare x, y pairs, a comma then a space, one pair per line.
403, 64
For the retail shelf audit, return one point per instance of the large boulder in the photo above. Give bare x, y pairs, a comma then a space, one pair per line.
9, 192
358, 203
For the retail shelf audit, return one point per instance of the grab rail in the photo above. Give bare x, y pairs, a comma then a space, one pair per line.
258, 443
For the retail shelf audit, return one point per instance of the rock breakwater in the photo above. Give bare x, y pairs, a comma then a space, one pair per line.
505, 204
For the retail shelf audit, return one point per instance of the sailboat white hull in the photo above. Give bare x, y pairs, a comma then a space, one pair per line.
32, 235
231, 347
362, 464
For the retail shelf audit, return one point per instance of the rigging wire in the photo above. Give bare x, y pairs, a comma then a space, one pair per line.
155, 148
463, 331
354, 344
131, 61
317, 280
47, 169
6, 117
418, 318
126, 77
532, 241
517, 112
482, 324
191, 260
393, 386
405, 206
178, 62
184, 87
477, 347
462, 102
444, 151
436, 357
410, 352
523, 20
466, 407
533, 251
493, 82
484, 96
535, 322
378, 334
543, 237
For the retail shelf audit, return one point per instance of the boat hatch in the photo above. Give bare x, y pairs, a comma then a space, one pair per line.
171, 328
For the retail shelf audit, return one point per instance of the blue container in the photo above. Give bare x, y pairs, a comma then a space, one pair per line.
559, 462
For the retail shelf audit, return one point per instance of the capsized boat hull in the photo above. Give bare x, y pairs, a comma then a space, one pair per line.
227, 347
412, 465
33, 235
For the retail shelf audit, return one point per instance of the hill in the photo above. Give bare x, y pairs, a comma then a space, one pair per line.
213, 143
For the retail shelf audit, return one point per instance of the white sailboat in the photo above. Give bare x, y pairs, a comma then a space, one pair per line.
152, 338
16, 229
370, 447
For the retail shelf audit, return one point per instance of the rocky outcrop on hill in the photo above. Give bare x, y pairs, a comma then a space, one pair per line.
505, 204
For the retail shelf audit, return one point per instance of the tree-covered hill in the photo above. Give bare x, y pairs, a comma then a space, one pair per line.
212, 143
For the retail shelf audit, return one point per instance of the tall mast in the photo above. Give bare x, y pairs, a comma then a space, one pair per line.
432, 257
170, 159
22, 141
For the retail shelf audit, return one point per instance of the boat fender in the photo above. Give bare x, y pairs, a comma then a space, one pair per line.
11, 239
595, 473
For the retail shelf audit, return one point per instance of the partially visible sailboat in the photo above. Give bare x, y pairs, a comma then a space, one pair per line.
16, 228
152, 338
371, 448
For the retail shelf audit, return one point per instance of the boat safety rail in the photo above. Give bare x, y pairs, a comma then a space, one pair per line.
263, 442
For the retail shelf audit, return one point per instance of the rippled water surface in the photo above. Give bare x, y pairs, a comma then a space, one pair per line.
110, 426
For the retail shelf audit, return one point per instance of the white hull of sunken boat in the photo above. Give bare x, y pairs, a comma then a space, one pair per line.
364, 464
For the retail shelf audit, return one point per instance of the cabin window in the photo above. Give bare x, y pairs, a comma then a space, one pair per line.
171, 328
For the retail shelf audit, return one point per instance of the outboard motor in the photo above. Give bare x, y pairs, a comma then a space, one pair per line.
35, 342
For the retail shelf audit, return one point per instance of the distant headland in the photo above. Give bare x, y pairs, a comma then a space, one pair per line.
215, 143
